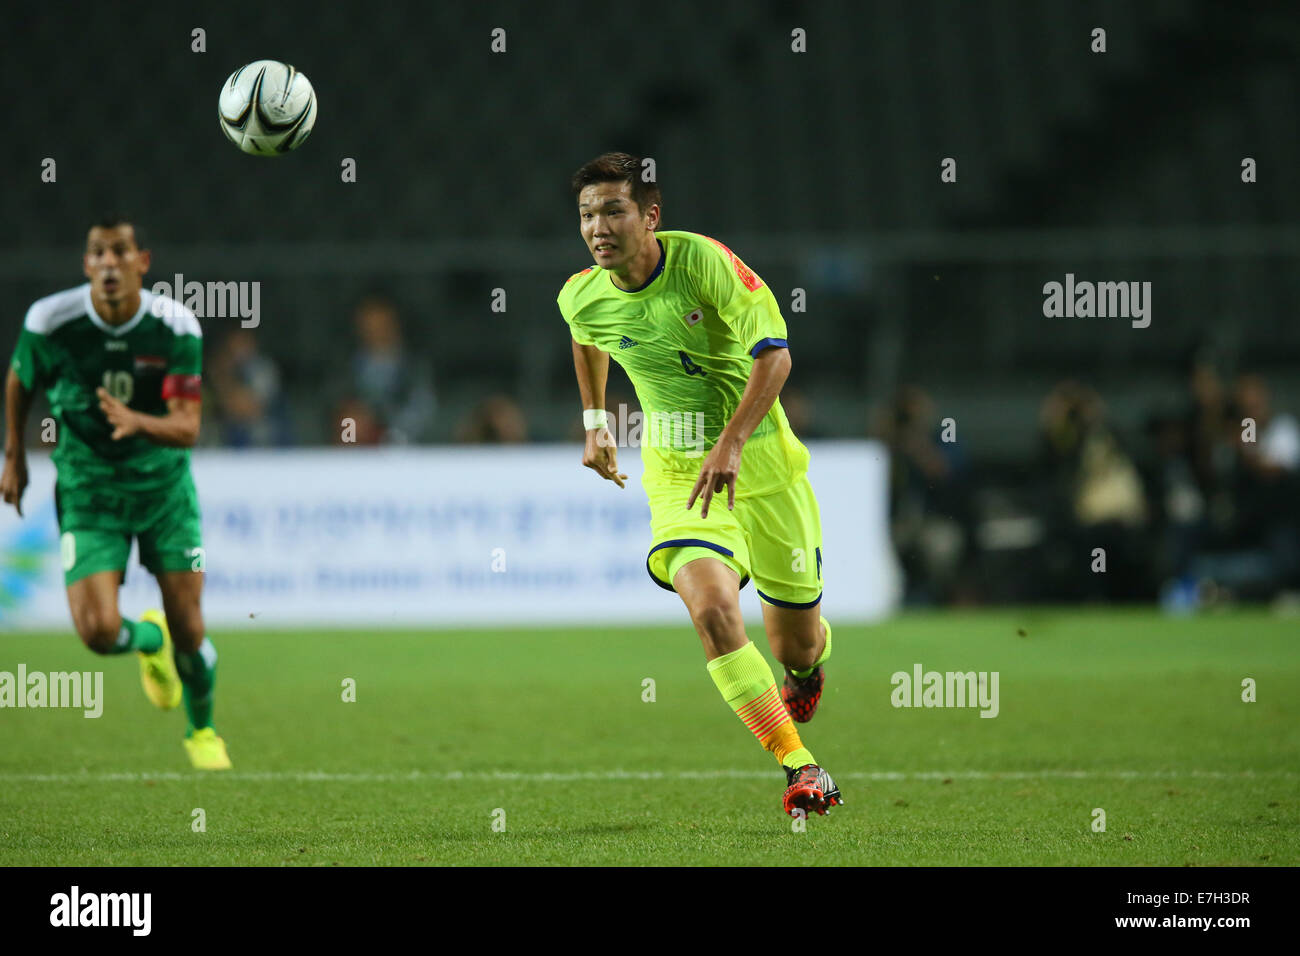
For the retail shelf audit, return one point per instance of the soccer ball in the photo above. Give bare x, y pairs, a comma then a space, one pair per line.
267, 108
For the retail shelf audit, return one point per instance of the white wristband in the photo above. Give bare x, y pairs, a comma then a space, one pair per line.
594, 418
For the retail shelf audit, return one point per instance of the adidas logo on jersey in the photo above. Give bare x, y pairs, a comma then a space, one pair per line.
626, 343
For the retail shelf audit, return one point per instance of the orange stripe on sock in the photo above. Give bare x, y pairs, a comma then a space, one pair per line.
765, 715
773, 723
762, 717
758, 701
763, 706
769, 721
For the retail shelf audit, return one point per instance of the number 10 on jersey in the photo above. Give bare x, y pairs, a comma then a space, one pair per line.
121, 385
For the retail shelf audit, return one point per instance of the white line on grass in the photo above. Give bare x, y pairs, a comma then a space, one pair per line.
326, 776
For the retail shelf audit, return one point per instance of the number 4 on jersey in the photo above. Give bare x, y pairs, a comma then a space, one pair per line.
691, 367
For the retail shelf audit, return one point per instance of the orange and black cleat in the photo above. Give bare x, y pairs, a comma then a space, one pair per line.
803, 694
811, 788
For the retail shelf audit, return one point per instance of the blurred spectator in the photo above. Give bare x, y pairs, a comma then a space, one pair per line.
1096, 500
251, 410
396, 388
1177, 502
497, 420
1192, 484
1083, 453
1254, 549
1209, 432
801, 413
1276, 449
1268, 491
929, 501
355, 424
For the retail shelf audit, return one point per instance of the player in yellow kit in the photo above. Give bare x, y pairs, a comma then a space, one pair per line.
704, 344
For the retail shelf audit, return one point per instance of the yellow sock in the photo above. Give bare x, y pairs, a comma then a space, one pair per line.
746, 684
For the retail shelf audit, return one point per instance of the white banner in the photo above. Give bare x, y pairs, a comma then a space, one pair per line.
438, 537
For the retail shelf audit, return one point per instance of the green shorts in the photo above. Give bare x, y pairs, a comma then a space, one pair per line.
98, 522
776, 539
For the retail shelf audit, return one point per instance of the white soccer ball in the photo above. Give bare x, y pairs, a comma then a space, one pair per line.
267, 108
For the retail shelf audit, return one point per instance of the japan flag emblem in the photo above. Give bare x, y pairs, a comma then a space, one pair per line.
693, 317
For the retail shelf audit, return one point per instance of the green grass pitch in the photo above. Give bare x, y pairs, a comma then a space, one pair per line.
546, 732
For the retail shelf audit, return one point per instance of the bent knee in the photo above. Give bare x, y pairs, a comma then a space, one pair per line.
99, 629
718, 619
801, 637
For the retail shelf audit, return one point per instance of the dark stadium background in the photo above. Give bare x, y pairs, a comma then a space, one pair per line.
924, 298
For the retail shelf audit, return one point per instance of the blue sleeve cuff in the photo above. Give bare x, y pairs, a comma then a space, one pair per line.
768, 343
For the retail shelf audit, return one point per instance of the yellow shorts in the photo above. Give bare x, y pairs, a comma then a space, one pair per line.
776, 539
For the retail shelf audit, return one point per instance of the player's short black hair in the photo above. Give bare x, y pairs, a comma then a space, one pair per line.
620, 168
111, 220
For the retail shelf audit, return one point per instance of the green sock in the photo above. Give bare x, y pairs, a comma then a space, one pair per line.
826, 652
138, 636
198, 676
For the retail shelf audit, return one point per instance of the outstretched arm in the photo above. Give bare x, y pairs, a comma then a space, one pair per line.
591, 366
13, 480
179, 428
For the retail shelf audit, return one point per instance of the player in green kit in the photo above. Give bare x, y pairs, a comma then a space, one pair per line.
704, 344
120, 367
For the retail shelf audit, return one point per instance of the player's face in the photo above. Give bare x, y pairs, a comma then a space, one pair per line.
114, 264
612, 225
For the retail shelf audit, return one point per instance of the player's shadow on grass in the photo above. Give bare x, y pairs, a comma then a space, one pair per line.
551, 832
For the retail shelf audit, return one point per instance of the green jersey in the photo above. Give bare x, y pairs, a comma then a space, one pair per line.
687, 339
67, 349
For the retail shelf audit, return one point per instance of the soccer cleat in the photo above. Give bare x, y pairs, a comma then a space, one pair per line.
811, 788
803, 694
162, 685
207, 751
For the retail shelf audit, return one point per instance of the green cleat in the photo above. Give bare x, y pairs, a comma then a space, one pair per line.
162, 685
